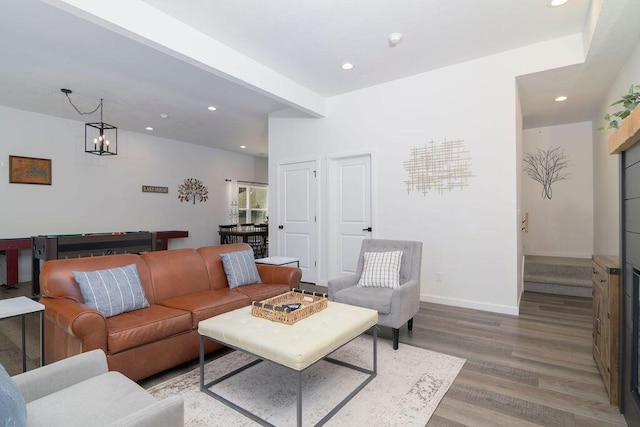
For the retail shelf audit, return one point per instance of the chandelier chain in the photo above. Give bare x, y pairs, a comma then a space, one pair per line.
99, 106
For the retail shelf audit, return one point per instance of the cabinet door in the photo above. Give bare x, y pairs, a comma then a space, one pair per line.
605, 340
598, 313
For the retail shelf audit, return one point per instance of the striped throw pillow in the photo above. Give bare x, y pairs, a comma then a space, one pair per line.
112, 291
381, 270
240, 268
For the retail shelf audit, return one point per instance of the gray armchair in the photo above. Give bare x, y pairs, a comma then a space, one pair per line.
395, 306
79, 391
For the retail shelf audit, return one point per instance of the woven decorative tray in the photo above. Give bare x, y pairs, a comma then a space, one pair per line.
274, 308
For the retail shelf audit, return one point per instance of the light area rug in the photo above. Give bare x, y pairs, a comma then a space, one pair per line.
409, 386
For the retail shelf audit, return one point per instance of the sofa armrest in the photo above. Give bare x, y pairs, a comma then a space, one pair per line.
167, 412
49, 379
336, 285
78, 320
279, 275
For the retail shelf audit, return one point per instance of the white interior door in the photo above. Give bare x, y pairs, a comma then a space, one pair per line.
297, 215
350, 198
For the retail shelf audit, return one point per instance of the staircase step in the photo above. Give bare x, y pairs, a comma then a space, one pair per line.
539, 267
567, 281
552, 288
558, 275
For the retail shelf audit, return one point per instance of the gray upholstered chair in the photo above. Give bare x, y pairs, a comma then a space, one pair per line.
79, 391
395, 306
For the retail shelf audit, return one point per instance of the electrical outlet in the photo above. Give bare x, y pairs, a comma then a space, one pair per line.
438, 277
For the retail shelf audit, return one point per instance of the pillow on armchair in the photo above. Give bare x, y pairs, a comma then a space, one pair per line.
381, 270
13, 409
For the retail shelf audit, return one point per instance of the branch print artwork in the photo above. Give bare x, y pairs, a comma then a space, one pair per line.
547, 167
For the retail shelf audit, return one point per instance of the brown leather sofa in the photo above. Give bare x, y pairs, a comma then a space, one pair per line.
183, 286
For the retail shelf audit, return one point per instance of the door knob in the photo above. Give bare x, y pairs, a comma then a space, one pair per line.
367, 229
280, 227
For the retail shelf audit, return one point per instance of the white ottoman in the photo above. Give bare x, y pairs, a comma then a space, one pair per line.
295, 347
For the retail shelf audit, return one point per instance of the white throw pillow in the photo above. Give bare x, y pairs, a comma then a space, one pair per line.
381, 270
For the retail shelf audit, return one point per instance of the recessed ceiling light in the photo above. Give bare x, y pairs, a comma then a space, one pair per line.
149, 128
164, 116
243, 146
556, 3
561, 98
211, 108
347, 66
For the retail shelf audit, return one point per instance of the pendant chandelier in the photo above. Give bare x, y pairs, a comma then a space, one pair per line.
100, 138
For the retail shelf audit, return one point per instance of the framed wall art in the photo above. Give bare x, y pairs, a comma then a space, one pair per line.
29, 170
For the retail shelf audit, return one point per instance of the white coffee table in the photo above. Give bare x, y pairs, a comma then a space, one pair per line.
278, 260
21, 306
315, 338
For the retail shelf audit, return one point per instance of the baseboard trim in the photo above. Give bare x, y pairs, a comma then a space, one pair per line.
495, 308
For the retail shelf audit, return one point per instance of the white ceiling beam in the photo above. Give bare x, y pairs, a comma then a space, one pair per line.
139, 21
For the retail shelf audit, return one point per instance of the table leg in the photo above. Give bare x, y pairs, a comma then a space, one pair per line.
299, 410
42, 338
24, 348
375, 349
12, 267
201, 362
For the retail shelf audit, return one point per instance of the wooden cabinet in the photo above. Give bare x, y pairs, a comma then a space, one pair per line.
606, 315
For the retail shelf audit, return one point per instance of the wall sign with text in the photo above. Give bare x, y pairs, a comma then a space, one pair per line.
155, 189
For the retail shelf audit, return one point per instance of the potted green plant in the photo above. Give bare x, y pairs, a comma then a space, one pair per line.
629, 101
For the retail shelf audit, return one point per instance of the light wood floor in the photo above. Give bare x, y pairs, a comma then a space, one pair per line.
535, 369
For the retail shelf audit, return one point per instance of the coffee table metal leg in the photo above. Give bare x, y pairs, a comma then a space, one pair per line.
299, 411
42, 338
201, 362
24, 348
371, 375
375, 349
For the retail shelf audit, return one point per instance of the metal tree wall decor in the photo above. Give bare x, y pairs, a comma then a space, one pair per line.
192, 190
547, 167
438, 167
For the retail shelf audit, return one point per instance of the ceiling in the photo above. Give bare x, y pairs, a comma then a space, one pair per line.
49, 45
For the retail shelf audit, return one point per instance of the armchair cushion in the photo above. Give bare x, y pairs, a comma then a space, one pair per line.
79, 391
112, 291
240, 268
13, 409
381, 270
374, 298
97, 401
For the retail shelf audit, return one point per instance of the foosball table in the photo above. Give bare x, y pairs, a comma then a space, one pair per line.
50, 247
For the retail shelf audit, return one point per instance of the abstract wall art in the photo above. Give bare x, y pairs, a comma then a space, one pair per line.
438, 167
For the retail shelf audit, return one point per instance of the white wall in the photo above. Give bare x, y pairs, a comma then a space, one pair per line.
469, 235
103, 194
518, 166
563, 225
606, 170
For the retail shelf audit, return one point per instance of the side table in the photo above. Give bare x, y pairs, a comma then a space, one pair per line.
278, 260
21, 306
11, 248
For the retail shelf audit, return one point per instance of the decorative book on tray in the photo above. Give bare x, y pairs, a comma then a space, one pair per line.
290, 307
